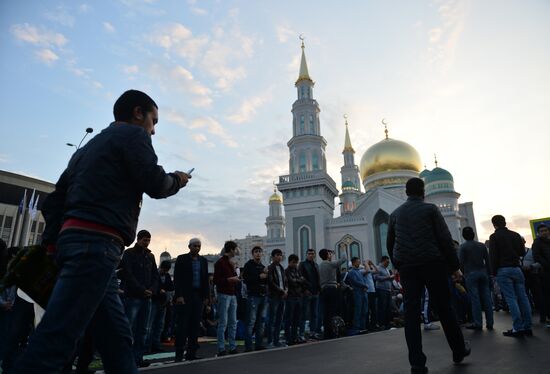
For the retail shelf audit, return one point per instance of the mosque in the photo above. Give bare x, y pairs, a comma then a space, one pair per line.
307, 194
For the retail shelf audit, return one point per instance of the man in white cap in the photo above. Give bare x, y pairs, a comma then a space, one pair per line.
191, 293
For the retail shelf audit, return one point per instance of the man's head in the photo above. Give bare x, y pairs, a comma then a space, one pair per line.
498, 221
310, 254
137, 108
165, 266
293, 261
276, 255
257, 253
468, 233
230, 248
415, 187
543, 231
325, 254
385, 261
355, 262
194, 246
143, 238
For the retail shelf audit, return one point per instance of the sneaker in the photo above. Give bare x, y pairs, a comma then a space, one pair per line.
281, 345
192, 357
431, 326
233, 351
179, 356
528, 332
513, 334
474, 327
221, 354
458, 358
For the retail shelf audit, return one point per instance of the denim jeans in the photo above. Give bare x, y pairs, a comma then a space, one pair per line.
227, 314
139, 313
310, 311
86, 293
360, 309
293, 314
276, 307
512, 284
255, 312
384, 307
156, 325
477, 284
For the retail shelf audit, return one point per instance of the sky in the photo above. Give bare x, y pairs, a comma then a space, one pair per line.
466, 80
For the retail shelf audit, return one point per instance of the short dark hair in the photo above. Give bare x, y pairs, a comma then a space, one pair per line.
323, 253
468, 233
311, 250
166, 265
276, 252
415, 187
541, 226
257, 249
384, 258
353, 259
293, 258
123, 109
229, 246
143, 234
498, 221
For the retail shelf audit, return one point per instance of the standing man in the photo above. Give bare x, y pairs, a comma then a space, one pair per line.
293, 303
358, 281
370, 271
474, 259
277, 292
329, 289
90, 217
191, 293
541, 254
310, 306
422, 249
226, 280
158, 310
255, 278
140, 281
383, 292
506, 247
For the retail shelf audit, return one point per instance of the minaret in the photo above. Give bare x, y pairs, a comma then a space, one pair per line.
275, 223
350, 177
308, 190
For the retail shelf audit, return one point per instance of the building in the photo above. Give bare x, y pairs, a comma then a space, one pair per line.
21, 199
370, 192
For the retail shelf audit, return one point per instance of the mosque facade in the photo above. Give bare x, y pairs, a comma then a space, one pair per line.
302, 211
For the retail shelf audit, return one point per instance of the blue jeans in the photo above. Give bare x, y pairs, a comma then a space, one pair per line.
512, 284
310, 311
255, 311
156, 325
227, 314
276, 307
293, 314
360, 309
477, 284
86, 293
139, 312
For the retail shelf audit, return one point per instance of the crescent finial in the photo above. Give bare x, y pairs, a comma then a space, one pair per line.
301, 37
385, 127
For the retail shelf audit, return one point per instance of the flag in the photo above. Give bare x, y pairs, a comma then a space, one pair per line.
22, 203
31, 201
34, 210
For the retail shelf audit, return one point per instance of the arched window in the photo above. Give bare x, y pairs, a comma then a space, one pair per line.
380, 225
302, 125
311, 124
302, 92
302, 162
304, 240
354, 250
315, 161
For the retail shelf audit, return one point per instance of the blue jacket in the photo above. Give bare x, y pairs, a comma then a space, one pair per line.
357, 280
105, 181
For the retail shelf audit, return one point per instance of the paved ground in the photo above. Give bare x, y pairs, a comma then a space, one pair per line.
385, 352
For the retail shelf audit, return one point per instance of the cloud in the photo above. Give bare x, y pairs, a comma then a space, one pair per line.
199, 138
130, 69
40, 37
109, 27
202, 94
249, 107
173, 116
178, 39
47, 56
61, 16
215, 128
284, 33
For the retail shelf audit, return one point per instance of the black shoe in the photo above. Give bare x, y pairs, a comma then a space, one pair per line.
528, 332
419, 370
233, 351
513, 334
157, 350
179, 355
458, 358
474, 327
221, 354
260, 348
144, 364
490, 328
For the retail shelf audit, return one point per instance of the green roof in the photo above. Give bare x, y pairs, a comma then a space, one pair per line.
438, 174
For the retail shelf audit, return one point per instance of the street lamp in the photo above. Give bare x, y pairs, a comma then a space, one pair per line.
89, 130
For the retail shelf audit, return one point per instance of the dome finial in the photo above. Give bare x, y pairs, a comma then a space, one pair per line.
301, 37
304, 73
347, 140
435, 159
385, 127
274, 187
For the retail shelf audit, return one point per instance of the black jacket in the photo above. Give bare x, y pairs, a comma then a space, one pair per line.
139, 272
310, 271
167, 285
541, 253
255, 285
183, 277
105, 180
273, 288
418, 235
505, 249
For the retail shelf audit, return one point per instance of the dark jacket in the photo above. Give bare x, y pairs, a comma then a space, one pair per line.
474, 256
418, 235
273, 289
541, 253
139, 272
223, 269
310, 271
183, 277
105, 180
296, 282
166, 284
255, 285
505, 249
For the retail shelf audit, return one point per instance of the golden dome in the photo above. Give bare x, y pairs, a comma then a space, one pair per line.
275, 198
389, 155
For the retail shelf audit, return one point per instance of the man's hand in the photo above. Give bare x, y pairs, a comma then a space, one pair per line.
457, 275
184, 178
263, 276
180, 300
148, 293
162, 292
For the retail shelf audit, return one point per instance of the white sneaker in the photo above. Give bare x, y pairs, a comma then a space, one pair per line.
431, 326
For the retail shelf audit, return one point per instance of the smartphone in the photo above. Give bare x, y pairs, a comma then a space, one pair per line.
190, 171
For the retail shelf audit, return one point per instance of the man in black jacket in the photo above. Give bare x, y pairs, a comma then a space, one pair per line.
255, 278
310, 305
91, 215
541, 254
421, 248
191, 292
506, 248
159, 303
